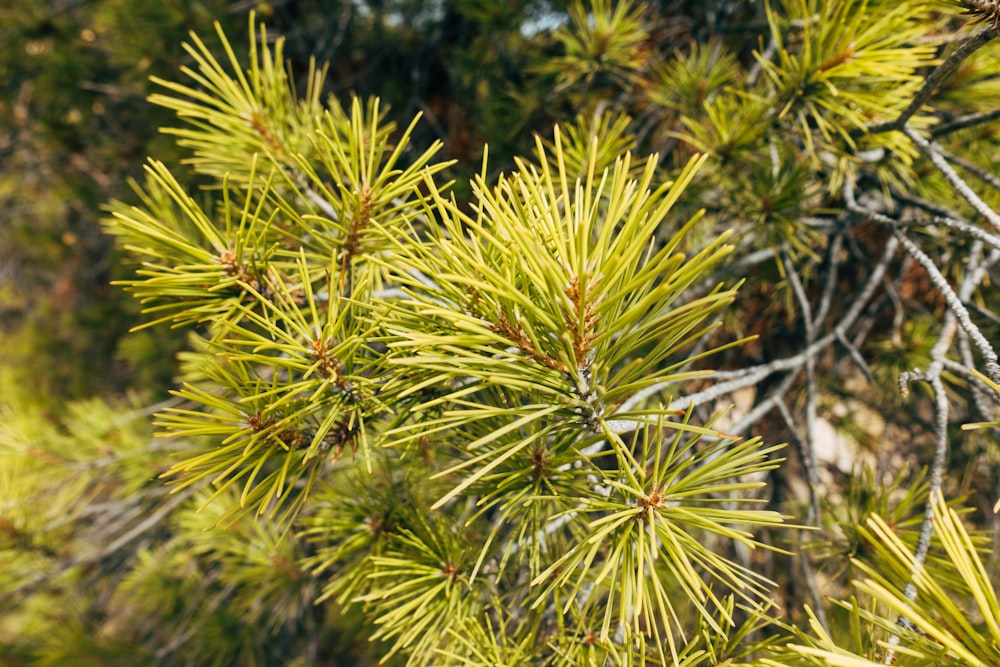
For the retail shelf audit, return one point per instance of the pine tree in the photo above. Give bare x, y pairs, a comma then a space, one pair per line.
484, 420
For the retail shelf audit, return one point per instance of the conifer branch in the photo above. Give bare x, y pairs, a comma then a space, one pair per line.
934, 80
478, 414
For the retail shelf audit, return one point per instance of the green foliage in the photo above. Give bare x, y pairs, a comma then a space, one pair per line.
444, 405
74, 491
834, 77
73, 126
602, 46
258, 112
377, 314
955, 621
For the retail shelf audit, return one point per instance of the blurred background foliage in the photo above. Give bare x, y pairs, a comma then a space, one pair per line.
75, 127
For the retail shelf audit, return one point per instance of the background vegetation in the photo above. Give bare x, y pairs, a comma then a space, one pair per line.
838, 266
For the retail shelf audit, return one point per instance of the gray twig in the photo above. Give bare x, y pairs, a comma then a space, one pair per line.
807, 439
932, 376
807, 571
955, 306
933, 153
963, 122
982, 174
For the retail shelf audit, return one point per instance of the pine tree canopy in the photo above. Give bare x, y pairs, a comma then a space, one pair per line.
662, 336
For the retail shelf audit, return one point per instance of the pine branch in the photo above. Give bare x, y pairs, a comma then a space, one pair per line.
935, 79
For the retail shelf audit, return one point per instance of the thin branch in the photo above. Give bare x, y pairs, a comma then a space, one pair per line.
300, 180
830, 287
972, 231
763, 407
103, 533
983, 398
970, 120
935, 79
931, 207
976, 269
945, 217
973, 277
855, 355
933, 377
985, 176
807, 571
737, 267
755, 375
807, 440
758, 66
937, 467
933, 153
985, 312
955, 306
146, 524
746, 377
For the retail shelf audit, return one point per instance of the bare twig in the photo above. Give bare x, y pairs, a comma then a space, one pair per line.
955, 306
932, 376
984, 175
931, 207
933, 153
747, 377
807, 439
970, 120
985, 312
855, 356
807, 571
763, 407
970, 230
146, 524
830, 286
